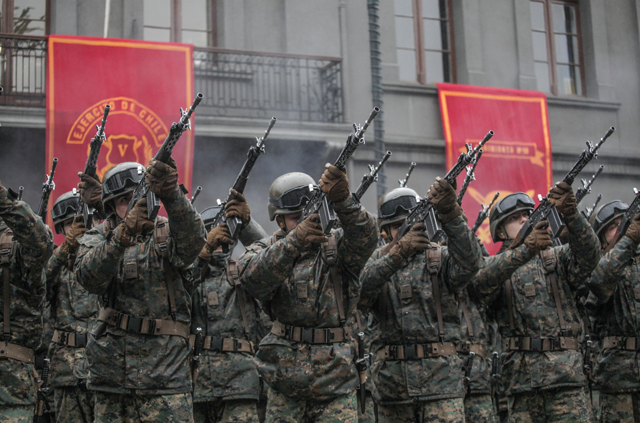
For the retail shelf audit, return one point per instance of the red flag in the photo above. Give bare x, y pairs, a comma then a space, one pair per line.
517, 158
145, 83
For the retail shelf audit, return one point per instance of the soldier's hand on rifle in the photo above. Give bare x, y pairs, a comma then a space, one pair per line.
335, 184
309, 232
413, 242
135, 223
162, 178
539, 239
90, 190
563, 198
443, 197
216, 238
238, 207
633, 231
5, 200
77, 230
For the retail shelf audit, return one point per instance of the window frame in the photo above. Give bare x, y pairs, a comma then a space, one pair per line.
175, 22
8, 17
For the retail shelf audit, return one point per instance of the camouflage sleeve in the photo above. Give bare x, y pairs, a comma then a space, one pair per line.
188, 235
378, 270
497, 269
51, 272
33, 236
98, 258
360, 234
264, 268
610, 270
582, 254
252, 233
464, 255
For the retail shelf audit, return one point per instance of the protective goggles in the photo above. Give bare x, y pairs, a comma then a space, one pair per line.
397, 205
512, 202
294, 198
610, 209
209, 215
122, 180
65, 209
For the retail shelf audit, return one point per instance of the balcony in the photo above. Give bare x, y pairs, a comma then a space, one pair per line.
23, 63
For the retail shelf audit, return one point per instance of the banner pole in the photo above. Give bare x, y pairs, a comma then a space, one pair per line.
107, 12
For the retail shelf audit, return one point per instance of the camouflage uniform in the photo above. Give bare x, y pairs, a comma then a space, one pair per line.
74, 311
294, 282
431, 386
551, 376
227, 386
367, 323
135, 282
616, 283
25, 259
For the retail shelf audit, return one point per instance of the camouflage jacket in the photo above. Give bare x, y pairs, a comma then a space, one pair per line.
216, 309
121, 361
480, 375
413, 320
535, 313
272, 271
73, 310
33, 244
616, 282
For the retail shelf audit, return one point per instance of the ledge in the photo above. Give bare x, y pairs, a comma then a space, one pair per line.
582, 102
408, 88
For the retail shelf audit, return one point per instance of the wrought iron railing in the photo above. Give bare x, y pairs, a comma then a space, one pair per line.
23, 63
248, 84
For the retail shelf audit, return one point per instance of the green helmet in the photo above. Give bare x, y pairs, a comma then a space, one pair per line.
605, 214
120, 179
289, 194
508, 205
396, 205
65, 207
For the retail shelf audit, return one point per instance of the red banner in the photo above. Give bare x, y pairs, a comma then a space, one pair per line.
144, 82
517, 158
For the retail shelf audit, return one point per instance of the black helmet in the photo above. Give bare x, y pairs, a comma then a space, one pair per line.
605, 214
120, 179
289, 194
66, 207
508, 205
208, 215
396, 205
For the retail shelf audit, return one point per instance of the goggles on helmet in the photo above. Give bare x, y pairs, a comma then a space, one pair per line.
294, 198
514, 201
610, 209
65, 209
390, 208
122, 180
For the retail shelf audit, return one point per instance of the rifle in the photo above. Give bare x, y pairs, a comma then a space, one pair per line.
589, 210
47, 187
424, 211
496, 378
484, 213
585, 189
20, 192
467, 371
42, 392
163, 155
195, 194
234, 223
546, 210
471, 176
361, 365
627, 218
198, 346
370, 178
318, 203
403, 182
91, 167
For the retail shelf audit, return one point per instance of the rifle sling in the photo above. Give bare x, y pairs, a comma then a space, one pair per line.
330, 256
508, 292
234, 281
548, 257
434, 263
467, 318
160, 237
6, 249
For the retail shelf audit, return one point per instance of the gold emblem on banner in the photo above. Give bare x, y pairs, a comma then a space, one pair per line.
511, 150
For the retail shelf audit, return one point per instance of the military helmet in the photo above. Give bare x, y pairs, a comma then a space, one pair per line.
605, 214
396, 205
66, 207
120, 179
289, 194
208, 216
508, 205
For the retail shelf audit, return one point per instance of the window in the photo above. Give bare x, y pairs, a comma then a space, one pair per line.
556, 47
183, 21
24, 17
424, 41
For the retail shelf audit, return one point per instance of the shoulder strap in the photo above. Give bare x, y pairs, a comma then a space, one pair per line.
330, 256
6, 250
383, 309
550, 263
160, 237
467, 318
234, 281
434, 264
508, 292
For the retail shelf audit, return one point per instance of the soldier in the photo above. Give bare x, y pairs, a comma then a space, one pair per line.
310, 288
227, 384
412, 287
616, 285
532, 289
74, 313
138, 351
26, 244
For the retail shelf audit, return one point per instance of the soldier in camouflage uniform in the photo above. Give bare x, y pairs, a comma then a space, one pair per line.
227, 384
138, 351
532, 288
616, 285
74, 313
310, 287
26, 244
412, 287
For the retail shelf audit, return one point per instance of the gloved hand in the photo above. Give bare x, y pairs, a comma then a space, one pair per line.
162, 178
77, 230
335, 184
90, 191
135, 223
5, 200
216, 237
443, 197
633, 231
238, 207
539, 239
564, 199
413, 242
309, 231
